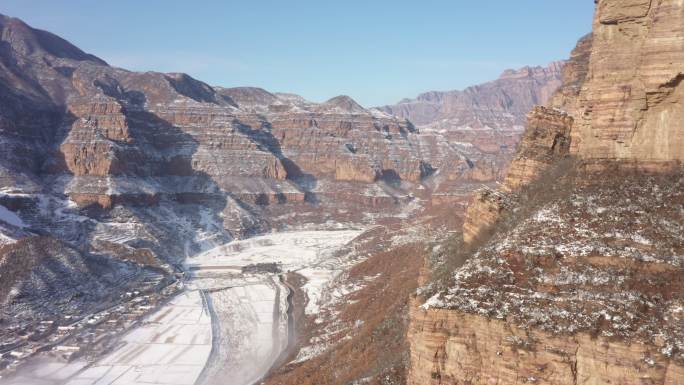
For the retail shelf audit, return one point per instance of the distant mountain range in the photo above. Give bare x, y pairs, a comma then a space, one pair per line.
499, 104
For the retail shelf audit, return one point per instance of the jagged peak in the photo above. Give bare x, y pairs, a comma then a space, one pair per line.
29, 41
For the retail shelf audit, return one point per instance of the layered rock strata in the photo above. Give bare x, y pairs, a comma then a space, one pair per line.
586, 285
545, 141
588, 288
481, 125
483, 213
630, 107
500, 104
454, 347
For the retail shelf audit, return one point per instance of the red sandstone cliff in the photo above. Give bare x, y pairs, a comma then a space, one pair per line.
577, 275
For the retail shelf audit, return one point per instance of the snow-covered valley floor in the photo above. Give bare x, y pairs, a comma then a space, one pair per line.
227, 327
171, 346
251, 328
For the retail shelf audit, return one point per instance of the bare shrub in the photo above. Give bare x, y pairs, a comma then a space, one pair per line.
554, 183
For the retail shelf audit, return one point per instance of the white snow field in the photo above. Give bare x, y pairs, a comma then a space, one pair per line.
226, 327
45, 371
171, 347
10, 217
250, 329
310, 253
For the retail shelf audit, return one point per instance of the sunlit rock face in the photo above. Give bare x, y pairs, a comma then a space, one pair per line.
630, 107
545, 141
70, 115
103, 124
577, 273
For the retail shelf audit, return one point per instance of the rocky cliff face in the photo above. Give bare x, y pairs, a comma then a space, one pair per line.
578, 278
545, 141
455, 347
585, 288
630, 107
483, 213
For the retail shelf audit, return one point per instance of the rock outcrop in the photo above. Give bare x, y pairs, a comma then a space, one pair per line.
580, 279
577, 291
454, 348
483, 213
573, 76
545, 141
630, 107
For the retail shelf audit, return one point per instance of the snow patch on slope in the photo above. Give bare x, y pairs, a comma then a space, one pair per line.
11, 218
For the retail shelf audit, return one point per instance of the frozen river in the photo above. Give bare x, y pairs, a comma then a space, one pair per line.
225, 328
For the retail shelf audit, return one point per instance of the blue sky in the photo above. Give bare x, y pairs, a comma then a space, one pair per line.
378, 52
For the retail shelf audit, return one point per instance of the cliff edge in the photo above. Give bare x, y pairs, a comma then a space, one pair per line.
576, 274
